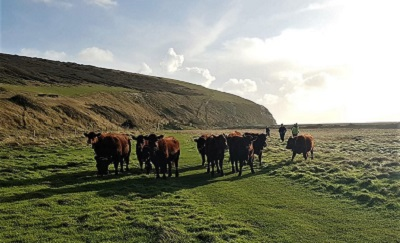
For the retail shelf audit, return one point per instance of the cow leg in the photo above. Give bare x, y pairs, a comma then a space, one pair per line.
169, 168
312, 154
127, 162
241, 167
251, 163
294, 154
116, 166
259, 157
217, 164
212, 167
221, 164
157, 167
203, 159
121, 163
148, 167
233, 167
141, 164
305, 155
176, 160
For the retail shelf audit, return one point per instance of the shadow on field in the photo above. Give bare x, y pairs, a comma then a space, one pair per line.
130, 183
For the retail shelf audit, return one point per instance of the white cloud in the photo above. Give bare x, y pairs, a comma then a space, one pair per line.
59, 3
269, 99
173, 61
50, 54
103, 3
203, 34
145, 69
205, 73
241, 87
95, 54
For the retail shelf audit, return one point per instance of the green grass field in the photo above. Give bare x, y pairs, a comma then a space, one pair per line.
350, 192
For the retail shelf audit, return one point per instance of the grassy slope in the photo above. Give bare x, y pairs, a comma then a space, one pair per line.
51, 193
145, 100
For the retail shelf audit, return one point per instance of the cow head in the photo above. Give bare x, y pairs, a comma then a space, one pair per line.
153, 142
201, 143
93, 137
290, 143
248, 141
262, 139
102, 164
142, 145
140, 141
221, 139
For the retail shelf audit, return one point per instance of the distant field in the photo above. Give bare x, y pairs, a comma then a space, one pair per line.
350, 192
69, 91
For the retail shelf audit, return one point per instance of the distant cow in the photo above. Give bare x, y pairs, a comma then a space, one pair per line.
268, 131
110, 148
215, 152
241, 151
164, 151
259, 144
143, 152
301, 144
201, 147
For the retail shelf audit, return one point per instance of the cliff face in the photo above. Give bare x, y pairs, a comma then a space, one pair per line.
50, 95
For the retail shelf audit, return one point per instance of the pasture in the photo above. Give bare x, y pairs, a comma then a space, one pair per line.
349, 192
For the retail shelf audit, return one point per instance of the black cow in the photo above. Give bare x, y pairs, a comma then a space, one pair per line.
241, 151
143, 152
215, 152
201, 147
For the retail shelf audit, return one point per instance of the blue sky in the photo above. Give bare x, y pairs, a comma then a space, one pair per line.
306, 61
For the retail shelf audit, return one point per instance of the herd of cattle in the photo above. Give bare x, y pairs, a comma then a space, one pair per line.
161, 152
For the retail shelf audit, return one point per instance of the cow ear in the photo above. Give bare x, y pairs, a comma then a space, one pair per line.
98, 134
196, 139
134, 137
86, 135
161, 136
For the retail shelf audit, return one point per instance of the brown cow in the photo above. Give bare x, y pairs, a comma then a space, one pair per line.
301, 144
201, 147
110, 148
164, 151
259, 144
143, 152
215, 152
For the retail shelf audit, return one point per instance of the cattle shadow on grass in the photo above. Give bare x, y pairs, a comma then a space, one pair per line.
142, 186
270, 168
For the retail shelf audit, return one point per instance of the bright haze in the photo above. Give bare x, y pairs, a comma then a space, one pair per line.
306, 61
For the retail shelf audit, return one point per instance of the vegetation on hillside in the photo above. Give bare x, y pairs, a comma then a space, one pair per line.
43, 95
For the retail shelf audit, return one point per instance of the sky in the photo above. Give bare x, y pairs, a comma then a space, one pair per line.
307, 61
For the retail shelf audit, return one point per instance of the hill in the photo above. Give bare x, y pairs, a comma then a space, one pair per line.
44, 95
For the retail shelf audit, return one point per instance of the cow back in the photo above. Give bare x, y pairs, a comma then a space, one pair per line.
168, 146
